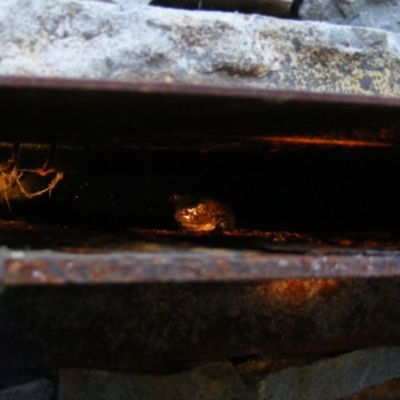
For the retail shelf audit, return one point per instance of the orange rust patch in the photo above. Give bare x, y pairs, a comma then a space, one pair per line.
293, 291
321, 142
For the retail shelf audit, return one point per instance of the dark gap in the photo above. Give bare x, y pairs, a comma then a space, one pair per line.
269, 8
329, 191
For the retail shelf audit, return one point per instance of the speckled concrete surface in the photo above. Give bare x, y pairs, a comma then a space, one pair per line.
134, 42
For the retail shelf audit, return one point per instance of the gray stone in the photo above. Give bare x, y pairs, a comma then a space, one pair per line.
101, 40
326, 379
384, 14
333, 378
211, 381
389, 390
40, 389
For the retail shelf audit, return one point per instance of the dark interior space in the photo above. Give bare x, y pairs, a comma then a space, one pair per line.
326, 190
108, 157
91, 247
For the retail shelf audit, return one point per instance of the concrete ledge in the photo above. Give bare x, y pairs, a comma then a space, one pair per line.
125, 41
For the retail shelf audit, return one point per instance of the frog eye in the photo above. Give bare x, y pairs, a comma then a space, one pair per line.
174, 198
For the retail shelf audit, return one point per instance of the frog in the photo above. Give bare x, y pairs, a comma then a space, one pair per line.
202, 214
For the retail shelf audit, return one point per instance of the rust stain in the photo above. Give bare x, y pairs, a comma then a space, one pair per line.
320, 142
294, 291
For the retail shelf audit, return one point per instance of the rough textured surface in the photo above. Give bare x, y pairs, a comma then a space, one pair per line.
41, 389
327, 379
212, 381
131, 42
375, 14
389, 390
333, 378
144, 327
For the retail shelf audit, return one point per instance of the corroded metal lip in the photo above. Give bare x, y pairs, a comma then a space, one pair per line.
155, 115
9, 82
201, 265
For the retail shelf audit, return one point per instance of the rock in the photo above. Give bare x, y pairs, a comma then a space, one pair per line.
211, 381
327, 379
40, 389
101, 40
389, 390
333, 378
383, 14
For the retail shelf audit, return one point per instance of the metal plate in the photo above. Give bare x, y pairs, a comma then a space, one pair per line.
164, 115
139, 298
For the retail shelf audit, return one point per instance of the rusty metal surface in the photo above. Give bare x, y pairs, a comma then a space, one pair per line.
55, 84
120, 116
64, 256
145, 294
151, 115
146, 327
202, 265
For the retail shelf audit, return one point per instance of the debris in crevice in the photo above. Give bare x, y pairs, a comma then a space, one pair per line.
8, 180
12, 179
30, 195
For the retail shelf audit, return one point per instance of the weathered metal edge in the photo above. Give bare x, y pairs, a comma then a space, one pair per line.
275, 95
57, 268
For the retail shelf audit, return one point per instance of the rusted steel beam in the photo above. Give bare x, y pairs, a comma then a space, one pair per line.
57, 85
144, 297
147, 327
201, 265
146, 114
60, 256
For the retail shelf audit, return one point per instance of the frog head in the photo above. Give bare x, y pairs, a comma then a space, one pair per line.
193, 214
